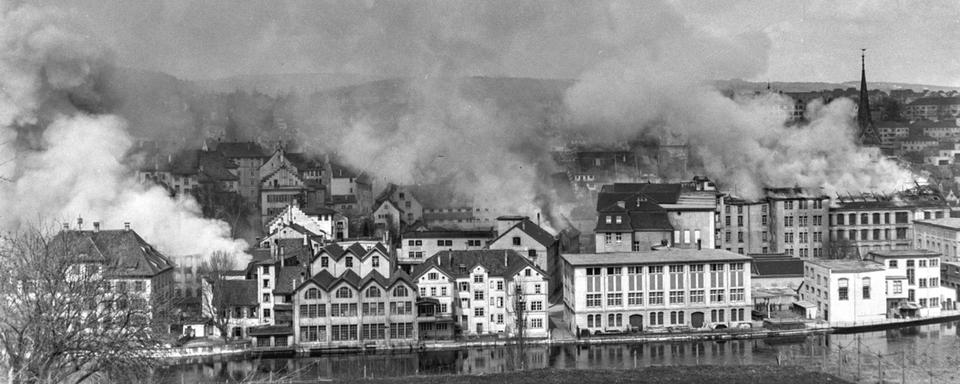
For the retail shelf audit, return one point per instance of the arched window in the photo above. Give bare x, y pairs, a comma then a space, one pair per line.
400, 291
611, 320
589, 321
312, 293
344, 293
866, 287
373, 292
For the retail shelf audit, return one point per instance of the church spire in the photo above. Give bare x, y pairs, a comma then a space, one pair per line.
867, 134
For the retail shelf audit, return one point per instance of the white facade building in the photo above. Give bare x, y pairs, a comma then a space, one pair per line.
940, 235
845, 291
632, 291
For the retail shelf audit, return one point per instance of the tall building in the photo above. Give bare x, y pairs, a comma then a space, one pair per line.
872, 223
867, 134
786, 220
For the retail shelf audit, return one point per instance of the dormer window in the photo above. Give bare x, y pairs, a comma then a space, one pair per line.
619, 220
324, 262
349, 262
516, 240
609, 219
375, 261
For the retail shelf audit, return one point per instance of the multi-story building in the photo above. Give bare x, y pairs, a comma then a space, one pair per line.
913, 276
355, 298
417, 246
744, 226
236, 300
125, 260
799, 222
326, 222
933, 108
283, 183
882, 223
892, 132
950, 278
940, 235
671, 287
845, 291
404, 200
483, 291
630, 215
248, 156
530, 240
348, 191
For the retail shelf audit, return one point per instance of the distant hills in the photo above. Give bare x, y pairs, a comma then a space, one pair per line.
743, 85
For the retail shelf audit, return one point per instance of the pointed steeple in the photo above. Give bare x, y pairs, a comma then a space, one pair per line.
867, 134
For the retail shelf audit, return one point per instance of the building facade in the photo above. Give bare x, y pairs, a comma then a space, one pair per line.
633, 291
913, 277
881, 224
798, 222
940, 235
845, 291
417, 246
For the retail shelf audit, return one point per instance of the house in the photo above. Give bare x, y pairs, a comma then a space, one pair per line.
248, 156
348, 191
355, 298
283, 184
417, 246
324, 222
127, 261
481, 292
655, 289
388, 218
276, 279
528, 239
683, 214
776, 271
845, 291
237, 300
404, 201
913, 282
933, 108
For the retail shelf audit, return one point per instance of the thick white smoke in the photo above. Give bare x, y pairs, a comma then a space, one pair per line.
60, 162
657, 85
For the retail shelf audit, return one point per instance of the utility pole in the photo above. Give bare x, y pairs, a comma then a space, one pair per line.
858, 357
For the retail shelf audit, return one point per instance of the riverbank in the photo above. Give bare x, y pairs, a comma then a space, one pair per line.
650, 375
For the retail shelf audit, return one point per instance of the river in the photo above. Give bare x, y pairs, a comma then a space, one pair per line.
915, 355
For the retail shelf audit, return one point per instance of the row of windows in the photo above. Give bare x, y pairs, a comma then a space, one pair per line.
877, 218
922, 263
310, 311
865, 234
657, 318
348, 261
347, 293
636, 299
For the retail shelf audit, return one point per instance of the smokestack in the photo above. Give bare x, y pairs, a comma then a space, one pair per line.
96, 226
538, 219
126, 226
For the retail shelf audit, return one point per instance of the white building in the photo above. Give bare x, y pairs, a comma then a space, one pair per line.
322, 221
845, 291
631, 291
417, 246
914, 279
940, 235
482, 290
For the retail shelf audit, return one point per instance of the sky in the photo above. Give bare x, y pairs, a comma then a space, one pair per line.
796, 40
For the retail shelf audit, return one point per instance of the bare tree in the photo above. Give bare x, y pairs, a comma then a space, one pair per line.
520, 311
64, 320
213, 302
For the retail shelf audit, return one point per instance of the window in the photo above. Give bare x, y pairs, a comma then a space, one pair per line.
349, 262
594, 299
266, 297
344, 293
266, 283
266, 312
401, 291
324, 262
312, 293
866, 287
717, 295
536, 305
516, 240
138, 286
375, 261
842, 289
373, 292
478, 295
893, 263
897, 287
478, 311
477, 278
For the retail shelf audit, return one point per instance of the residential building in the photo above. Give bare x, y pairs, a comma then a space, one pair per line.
325, 222
681, 215
482, 291
913, 279
355, 298
798, 223
879, 222
248, 156
190, 172
283, 184
943, 129
892, 132
237, 301
950, 278
348, 191
417, 246
127, 261
845, 291
404, 200
933, 108
531, 241
670, 287
939, 235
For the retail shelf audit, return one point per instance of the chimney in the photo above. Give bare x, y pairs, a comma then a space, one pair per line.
96, 226
306, 240
504, 257
126, 225
538, 219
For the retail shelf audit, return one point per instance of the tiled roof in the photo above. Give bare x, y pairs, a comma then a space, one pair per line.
303, 161
288, 278
650, 221
533, 230
658, 193
449, 234
125, 253
503, 263
340, 171
777, 266
237, 293
335, 251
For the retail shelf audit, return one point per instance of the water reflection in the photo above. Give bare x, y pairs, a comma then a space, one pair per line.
924, 347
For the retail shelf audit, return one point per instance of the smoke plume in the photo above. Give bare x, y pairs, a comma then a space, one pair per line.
61, 159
